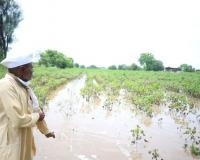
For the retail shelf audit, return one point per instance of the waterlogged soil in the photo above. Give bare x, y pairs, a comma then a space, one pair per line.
92, 131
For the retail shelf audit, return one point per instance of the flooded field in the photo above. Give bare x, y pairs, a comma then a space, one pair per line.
92, 131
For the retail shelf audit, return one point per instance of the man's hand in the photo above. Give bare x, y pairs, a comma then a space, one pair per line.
51, 134
42, 115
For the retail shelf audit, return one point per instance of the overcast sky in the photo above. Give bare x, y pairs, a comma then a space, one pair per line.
106, 32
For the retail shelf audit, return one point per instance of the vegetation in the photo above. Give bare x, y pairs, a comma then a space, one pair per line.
10, 16
187, 68
144, 89
138, 134
113, 67
192, 140
2, 71
149, 63
155, 154
47, 79
51, 58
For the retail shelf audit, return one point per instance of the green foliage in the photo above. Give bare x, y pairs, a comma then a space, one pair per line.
82, 66
187, 68
157, 65
134, 67
149, 63
195, 150
146, 59
144, 89
69, 63
92, 67
193, 136
2, 71
155, 154
47, 79
123, 67
76, 65
10, 16
137, 134
113, 67
52, 58
178, 102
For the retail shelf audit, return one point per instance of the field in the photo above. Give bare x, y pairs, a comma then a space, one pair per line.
152, 94
144, 89
47, 80
146, 92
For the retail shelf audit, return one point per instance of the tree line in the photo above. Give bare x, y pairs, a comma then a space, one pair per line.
146, 60
149, 63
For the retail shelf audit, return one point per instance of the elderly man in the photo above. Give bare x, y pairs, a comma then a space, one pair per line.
19, 111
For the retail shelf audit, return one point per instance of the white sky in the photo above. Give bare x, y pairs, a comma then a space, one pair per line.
106, 32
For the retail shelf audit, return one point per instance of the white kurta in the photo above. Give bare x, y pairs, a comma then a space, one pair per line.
16, 121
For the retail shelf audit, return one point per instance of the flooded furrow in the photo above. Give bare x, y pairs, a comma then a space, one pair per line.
90, 131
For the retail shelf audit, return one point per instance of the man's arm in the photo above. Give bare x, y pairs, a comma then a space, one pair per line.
14, 110
42, 126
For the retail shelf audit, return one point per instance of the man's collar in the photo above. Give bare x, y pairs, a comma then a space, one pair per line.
20, 81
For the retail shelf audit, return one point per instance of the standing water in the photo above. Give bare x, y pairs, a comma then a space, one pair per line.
90, 131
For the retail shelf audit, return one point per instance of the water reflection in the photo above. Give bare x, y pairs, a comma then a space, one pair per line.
91, 130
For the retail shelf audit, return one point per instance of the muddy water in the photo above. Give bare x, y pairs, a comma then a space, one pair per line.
90, 131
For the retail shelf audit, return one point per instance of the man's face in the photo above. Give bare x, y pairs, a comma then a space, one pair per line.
26, 72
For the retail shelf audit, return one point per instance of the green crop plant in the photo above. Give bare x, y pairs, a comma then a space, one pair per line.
195, 150
155, 154
138, 135
192, 140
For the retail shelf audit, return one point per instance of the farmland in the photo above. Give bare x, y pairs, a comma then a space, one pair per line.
161, 98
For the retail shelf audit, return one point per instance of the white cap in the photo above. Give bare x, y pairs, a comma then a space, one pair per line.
12, 61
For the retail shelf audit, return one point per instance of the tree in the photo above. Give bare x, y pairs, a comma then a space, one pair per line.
187, 68
92, 66
53, 58
10, 16
134, 66
70, 62
82, 66
146, 60
113, 67
157, 65
149, 63
123, 67
76, 65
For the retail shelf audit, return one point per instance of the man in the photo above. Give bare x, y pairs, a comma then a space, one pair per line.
19, 111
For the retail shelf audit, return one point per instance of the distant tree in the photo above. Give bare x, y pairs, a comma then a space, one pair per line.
146, 60
134, 66
123, 67
82, 66
187, 68
92, 67
149, 63
113, 67
53, 58
157, 65
76, 65
70, 62
10, 16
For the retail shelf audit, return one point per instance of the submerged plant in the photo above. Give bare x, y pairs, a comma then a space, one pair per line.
138, 134
194, 137
195, 150
155, 154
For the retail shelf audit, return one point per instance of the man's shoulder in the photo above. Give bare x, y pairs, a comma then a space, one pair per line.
6, 83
